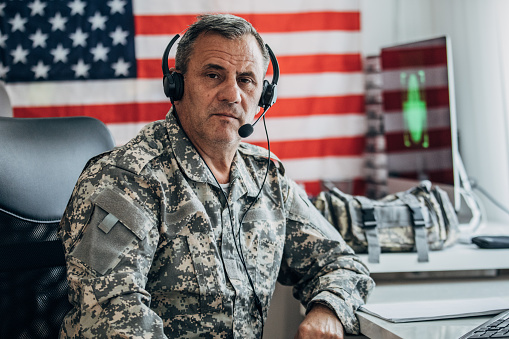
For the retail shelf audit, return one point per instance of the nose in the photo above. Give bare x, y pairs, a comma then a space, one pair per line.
229, 91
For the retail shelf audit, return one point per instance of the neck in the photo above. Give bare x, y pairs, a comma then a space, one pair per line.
219, 162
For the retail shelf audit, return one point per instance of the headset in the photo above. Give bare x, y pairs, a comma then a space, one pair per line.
173, 86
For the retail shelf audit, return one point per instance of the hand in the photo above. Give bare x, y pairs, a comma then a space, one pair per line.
320, 322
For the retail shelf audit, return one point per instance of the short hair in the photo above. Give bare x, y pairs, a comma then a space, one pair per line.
227, 25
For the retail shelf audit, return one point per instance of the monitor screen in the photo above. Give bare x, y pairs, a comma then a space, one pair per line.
419, 111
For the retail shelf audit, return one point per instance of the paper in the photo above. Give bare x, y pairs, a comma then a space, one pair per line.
401, 312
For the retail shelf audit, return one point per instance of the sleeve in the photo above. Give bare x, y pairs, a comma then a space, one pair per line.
319, 264
110, 236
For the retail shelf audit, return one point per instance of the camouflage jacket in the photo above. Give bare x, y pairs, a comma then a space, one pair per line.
150, 247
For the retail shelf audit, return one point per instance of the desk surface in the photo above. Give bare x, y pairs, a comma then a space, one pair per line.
430, 289
459, 257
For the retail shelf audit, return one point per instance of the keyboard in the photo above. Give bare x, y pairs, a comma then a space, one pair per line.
496, 327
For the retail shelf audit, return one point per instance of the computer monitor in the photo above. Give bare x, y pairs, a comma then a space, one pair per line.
420, 114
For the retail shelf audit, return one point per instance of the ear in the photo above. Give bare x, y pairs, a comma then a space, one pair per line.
172, 69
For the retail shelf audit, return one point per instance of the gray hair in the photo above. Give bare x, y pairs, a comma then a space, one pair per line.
227, 25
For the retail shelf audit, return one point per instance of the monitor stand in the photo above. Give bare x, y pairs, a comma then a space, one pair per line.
472, 217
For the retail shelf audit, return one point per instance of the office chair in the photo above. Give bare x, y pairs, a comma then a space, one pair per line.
40, 162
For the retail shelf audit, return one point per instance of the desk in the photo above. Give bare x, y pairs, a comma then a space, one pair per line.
460, 257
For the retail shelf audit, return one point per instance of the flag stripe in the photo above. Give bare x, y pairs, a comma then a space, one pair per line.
151, 90
283, 44
150, 111
151, 68
316, 148
264, 23
144, 7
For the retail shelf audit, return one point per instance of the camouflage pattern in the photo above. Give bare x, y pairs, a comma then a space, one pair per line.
394, 221
150, 248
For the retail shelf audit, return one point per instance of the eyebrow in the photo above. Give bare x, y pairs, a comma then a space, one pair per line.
221, 68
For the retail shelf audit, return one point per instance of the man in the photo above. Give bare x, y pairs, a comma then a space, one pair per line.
156, 248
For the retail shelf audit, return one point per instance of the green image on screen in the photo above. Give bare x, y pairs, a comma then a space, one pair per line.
414, 111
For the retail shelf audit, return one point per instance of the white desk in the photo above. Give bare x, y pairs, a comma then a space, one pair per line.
457, 258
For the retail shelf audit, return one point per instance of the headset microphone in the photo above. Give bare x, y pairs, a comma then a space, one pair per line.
268, 97
248, 129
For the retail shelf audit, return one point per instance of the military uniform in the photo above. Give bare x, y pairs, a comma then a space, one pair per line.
150, 248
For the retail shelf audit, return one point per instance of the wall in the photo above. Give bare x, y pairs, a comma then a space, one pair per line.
478, 34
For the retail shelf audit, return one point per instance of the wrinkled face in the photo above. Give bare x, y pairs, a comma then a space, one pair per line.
222, 88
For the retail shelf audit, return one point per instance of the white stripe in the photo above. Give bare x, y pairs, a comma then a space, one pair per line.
282, 44
280, 129
319, 85
436, 118
434, 76
425, 160
122, 133
158, 7
310, 127
326, 168
96, 92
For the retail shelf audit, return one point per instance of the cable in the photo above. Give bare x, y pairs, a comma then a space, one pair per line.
476, 186
240, 253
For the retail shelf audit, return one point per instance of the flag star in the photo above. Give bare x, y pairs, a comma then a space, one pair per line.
77, 7
38, 39
98, 21
80, 69
19, 55
3, 38
3, 70
119, 36
100, 52
79, 38
58, 22
41, 70
37, 7
121, 67
117, 6
18, 23
60, 53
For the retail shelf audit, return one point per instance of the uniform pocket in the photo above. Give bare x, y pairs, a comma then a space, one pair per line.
117, 224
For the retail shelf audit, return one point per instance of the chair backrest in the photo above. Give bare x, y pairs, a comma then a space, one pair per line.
40, 161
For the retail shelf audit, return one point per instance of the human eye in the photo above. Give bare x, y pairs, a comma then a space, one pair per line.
212, 75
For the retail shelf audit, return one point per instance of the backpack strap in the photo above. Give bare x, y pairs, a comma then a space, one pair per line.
369, 226
421, 240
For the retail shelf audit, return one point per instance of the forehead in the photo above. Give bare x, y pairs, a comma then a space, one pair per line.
212, 48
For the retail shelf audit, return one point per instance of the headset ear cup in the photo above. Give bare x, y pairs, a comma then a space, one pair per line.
173, 85
179, 85
263, 98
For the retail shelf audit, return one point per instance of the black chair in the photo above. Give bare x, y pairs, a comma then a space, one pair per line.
40, 161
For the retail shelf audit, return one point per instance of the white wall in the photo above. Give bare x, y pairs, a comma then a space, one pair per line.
480, 42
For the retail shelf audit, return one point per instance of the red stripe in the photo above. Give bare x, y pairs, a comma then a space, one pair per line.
136, 112
413, 57
117, 113
302, 64
299, 149
438, 139
434, 97
264, 23
293, 107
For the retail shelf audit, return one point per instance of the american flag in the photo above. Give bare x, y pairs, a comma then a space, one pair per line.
103, 59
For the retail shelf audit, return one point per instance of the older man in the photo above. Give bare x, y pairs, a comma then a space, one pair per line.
178, 234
